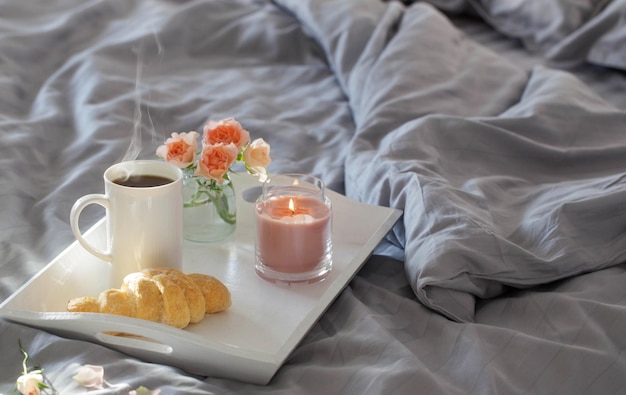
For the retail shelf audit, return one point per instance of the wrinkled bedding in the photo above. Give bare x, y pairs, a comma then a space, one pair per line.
499, 130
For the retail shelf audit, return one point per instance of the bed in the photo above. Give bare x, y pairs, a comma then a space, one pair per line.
497, 127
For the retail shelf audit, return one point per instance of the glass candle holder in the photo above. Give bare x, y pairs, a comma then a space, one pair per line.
293, 230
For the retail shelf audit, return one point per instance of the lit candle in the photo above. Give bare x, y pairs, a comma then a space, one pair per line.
290, 216
293, 234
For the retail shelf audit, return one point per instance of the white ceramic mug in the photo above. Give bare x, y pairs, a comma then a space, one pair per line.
144, 223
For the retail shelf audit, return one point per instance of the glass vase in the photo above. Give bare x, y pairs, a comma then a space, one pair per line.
209, 210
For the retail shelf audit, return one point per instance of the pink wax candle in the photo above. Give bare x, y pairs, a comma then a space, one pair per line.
293, 227
292, 240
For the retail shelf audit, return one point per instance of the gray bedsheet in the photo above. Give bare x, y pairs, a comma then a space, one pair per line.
505, 274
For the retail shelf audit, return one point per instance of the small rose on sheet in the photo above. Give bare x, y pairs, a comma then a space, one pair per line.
30, 383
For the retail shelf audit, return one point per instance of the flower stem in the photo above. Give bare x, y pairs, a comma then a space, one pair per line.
210, 192
25, 362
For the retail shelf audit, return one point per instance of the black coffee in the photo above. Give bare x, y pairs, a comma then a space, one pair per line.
143, 181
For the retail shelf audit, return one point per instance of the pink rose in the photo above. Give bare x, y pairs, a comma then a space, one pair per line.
28, 384
180, 149
225, 131
216, 159
257, 157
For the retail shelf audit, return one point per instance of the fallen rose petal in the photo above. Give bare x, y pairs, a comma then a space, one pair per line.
90, 376
144, 391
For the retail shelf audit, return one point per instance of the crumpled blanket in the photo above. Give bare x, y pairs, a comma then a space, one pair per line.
505, 274
507, 178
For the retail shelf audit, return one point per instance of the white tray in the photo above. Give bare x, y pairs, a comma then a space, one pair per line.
249, 341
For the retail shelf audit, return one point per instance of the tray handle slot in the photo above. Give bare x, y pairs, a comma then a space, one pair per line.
125, 339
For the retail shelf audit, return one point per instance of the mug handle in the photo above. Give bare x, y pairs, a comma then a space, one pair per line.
78, 207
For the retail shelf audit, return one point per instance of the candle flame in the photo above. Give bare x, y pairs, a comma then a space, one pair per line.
291, 206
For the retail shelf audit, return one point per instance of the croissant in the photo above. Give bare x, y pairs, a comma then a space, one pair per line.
164, 295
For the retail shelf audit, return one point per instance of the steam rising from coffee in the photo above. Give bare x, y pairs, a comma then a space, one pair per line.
136, 143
